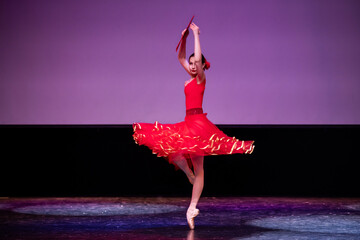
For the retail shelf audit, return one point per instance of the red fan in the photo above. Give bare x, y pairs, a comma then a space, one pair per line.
183, 35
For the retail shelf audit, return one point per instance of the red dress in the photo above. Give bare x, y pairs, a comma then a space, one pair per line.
196, 135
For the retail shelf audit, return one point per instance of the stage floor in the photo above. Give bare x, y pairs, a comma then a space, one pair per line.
164, 218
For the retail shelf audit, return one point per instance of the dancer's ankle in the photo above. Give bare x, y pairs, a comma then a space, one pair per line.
192, 206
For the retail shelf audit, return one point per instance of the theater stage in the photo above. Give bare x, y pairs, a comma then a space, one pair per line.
164, 218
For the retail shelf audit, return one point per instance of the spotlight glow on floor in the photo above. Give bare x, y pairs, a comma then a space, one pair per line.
355, 207
4, 206
298, 236
93, 209
341, 224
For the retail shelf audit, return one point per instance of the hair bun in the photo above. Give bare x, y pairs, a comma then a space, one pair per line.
207, 64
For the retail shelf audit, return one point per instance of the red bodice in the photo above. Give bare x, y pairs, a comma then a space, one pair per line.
194, 94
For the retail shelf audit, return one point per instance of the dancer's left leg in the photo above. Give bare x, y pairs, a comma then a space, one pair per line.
198, 163
192, 212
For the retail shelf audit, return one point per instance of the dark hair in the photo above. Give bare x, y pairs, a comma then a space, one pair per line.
203, 60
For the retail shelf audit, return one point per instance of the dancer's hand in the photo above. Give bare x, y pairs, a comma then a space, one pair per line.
195, 28
185, 33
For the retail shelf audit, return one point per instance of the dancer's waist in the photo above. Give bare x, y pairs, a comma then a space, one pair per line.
193, 111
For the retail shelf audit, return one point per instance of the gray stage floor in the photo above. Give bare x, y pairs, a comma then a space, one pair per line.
164, 218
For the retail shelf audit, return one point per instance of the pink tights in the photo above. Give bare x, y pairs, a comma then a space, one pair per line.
196, 177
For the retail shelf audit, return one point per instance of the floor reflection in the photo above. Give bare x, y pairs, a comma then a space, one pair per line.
164, 218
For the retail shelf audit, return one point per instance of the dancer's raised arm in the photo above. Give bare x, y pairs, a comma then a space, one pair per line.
182, 52
197, 53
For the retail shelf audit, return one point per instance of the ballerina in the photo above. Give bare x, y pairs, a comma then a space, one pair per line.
185, 144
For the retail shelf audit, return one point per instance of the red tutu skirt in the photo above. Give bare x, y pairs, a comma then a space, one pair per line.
196, 135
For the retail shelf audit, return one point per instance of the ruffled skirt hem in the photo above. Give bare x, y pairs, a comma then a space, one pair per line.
195, 136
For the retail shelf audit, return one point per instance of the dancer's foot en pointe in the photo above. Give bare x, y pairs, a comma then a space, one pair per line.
190, 215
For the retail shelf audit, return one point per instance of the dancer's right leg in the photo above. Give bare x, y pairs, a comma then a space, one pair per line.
181, 162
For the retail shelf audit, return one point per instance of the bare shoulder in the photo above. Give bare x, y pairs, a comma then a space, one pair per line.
188, 81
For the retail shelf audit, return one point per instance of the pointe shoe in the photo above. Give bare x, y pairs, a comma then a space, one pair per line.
190, 215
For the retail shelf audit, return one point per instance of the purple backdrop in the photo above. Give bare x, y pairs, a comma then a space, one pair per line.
114, 62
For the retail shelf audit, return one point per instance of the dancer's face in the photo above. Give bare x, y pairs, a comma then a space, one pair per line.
192, 66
